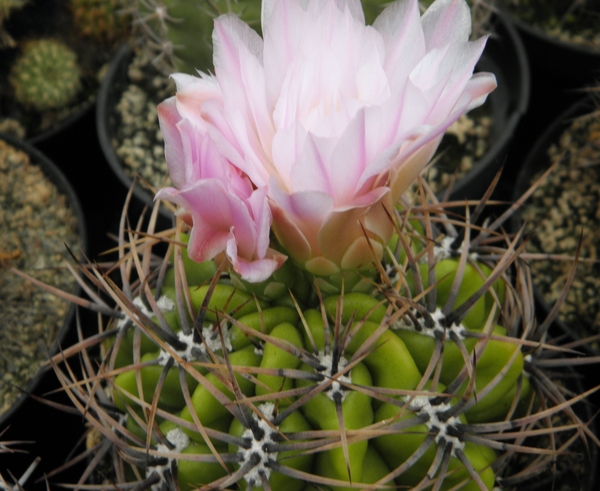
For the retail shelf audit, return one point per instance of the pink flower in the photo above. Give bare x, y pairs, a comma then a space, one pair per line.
329, 119
227, 213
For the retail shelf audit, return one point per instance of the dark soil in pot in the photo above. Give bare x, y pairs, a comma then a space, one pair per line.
55, 21
562, 37
565, 208
39, 216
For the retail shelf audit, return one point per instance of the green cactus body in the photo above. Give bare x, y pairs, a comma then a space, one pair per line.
351, 389
46, 75
180, 31
431, 379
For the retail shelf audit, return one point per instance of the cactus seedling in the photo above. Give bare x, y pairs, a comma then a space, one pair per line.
436, 379
46, 75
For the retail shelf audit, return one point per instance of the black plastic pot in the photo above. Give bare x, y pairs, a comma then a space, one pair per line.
505, 57
53, 173
537, 161
574, 64
113, 85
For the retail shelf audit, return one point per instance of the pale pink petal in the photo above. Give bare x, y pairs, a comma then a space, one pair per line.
456, 69
480, 85
446, 22
283, 35
311, 171
256, 270
287, 145
400, 27
261, 216
217, 213
350, 158
206, 239
168, 117
192, 93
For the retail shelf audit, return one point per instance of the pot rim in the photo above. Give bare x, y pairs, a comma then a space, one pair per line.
58, 178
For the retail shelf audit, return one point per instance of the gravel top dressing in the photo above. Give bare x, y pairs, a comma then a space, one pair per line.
35, 224
564, 208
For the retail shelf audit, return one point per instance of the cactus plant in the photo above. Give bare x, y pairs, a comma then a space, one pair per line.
46, 75
177, 33
6, 7
396, 348
436, 377
99, 19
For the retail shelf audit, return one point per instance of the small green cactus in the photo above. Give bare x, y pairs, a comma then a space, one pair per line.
46, 75
99, 19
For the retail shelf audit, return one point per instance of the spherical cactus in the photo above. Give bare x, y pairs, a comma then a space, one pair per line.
99, 19
433, 379
46, 75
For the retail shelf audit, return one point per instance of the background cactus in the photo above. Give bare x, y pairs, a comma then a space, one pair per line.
178, 33
436, 378
46, 75
6, 7
99, 19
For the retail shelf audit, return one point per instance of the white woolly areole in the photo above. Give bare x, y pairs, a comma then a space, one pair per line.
211, 339
253, 476
422, 405
180, 441
443, 250
165, 304
437, 327
326, 360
